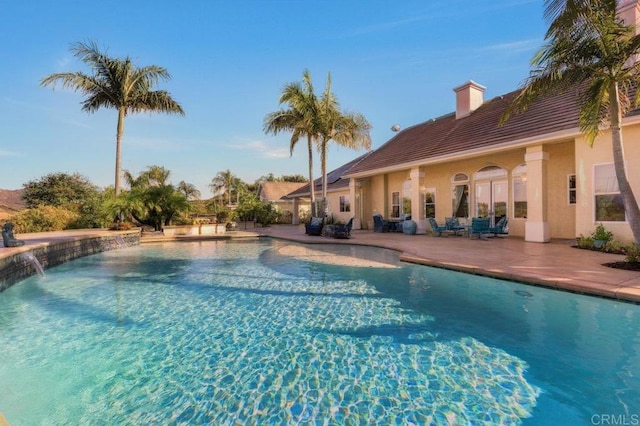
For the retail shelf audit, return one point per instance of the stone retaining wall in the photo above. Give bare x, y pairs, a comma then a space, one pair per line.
21, 265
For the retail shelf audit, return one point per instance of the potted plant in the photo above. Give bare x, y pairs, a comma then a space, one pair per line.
601, 236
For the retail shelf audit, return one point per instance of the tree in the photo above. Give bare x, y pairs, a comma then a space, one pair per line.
59, 190
350, 130
300, 118
72, 192
116, 83
189, 190
151, 200
588, 46
225, 183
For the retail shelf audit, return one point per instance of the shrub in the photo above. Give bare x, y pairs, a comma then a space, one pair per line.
43, 219
633, 253
601, 233
585, 242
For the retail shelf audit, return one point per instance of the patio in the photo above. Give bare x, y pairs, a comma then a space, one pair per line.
555, 264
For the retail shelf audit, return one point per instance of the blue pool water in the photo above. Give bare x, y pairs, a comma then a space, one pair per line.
240, 333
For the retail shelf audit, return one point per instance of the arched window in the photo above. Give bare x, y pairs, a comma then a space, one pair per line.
519, 175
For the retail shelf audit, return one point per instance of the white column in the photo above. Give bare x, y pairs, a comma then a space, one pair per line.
537, 226
355, 204
295, 218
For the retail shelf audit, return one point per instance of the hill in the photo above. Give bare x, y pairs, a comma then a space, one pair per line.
11, 202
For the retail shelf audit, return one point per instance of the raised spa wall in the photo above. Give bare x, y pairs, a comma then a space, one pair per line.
21, 265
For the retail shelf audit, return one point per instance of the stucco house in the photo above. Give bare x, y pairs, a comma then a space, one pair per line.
276, 194
339, 198
537, 169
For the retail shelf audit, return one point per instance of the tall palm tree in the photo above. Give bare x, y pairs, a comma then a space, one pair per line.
586, 44
116, 83
300, 118
225, 183
350, 130
189, 190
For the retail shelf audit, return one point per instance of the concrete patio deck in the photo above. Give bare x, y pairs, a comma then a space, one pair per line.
555, 265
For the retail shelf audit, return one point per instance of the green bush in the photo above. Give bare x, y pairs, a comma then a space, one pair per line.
43, 219
585, 242
633, 253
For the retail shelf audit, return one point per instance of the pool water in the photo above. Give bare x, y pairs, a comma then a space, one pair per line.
245, 333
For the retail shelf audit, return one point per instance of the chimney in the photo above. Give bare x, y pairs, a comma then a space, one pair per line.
469, 97
629, 12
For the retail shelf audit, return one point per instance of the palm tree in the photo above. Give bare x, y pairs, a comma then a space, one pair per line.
225, 183
300, 118
116, 83
189, 190
586, 44
350, 130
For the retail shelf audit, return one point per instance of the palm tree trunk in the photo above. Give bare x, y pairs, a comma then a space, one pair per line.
628, 198
312, 187
119, 132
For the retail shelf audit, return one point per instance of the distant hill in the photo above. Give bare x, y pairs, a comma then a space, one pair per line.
11, 202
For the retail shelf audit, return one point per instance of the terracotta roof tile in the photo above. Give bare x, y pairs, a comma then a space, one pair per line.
446, 135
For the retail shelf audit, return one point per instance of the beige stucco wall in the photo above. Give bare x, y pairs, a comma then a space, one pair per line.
439, 177
561, 215
334, 205
586, 157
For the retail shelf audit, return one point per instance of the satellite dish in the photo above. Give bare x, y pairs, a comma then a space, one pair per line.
395, 127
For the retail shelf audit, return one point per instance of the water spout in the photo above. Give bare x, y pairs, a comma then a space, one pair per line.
35, 263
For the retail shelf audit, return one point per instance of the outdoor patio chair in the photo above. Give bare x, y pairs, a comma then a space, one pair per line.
343, 231
314, 227
501, 227
437, 229
453, 225
479, 227
379, 224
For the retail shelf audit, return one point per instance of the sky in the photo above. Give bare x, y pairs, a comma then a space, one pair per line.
395, 62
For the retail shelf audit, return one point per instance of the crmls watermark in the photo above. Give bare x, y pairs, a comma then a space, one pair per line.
615, 419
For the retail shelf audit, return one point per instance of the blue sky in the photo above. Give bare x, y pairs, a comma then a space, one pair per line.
394, 62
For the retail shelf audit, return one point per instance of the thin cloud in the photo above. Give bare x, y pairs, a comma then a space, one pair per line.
9, 154
262, 150
514, 47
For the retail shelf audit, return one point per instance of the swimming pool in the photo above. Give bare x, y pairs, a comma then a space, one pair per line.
269, 332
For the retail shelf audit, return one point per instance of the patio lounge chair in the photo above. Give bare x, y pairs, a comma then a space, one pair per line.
437, 229
501, 227
314, 227
379, 224
479, 227
343, 231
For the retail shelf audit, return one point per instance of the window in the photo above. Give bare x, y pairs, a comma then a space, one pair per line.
571, 184
460, 195
520, 191
430, 203
608, 202
395, 204
345, 205
406, 197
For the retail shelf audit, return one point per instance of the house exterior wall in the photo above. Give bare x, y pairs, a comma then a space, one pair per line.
561, 215
586, 157
333, 198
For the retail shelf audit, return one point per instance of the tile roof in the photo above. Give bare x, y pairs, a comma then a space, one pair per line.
334, 178
445, 135
274, 191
